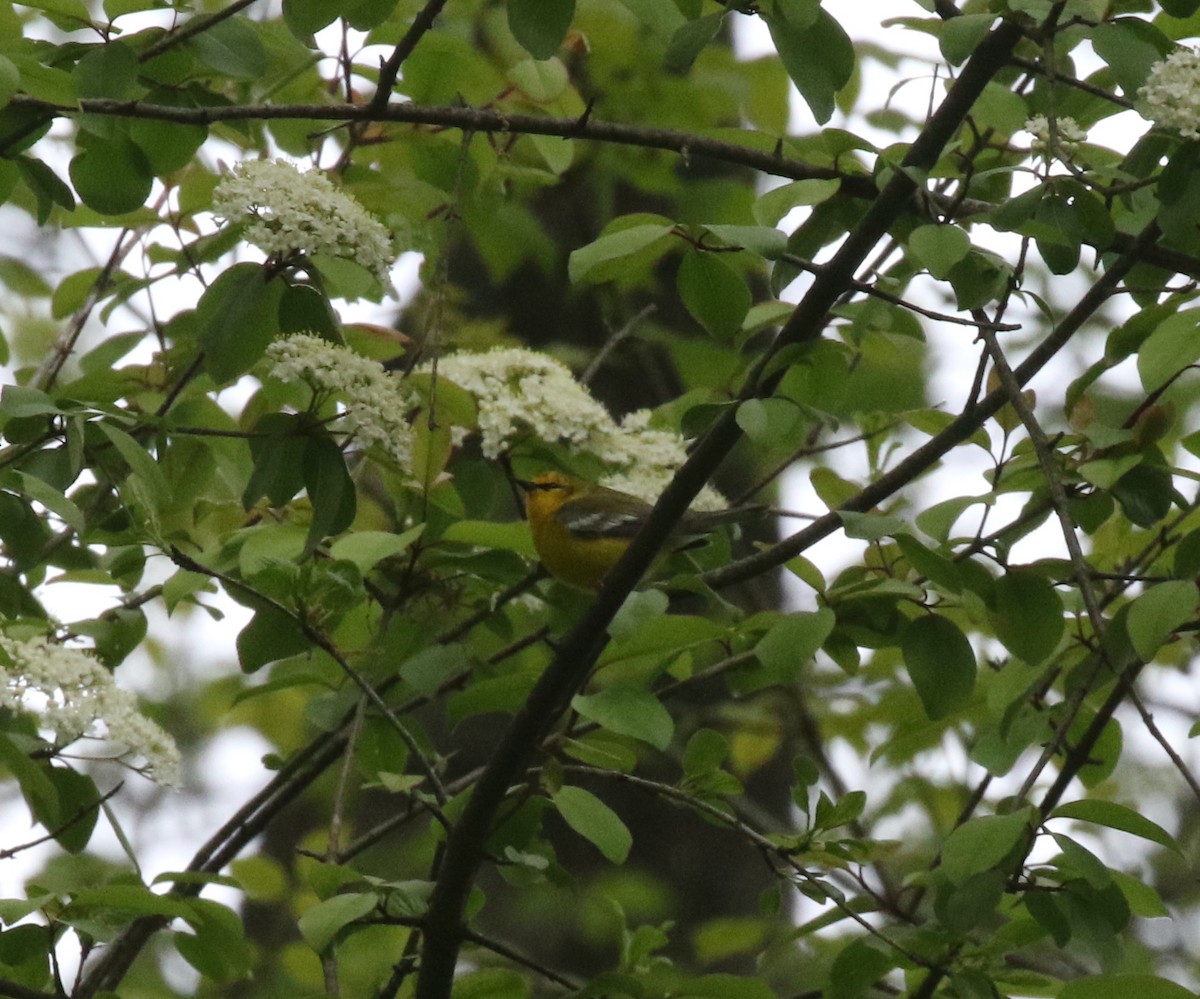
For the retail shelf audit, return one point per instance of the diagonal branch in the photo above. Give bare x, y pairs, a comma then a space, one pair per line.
584, 642
389, 70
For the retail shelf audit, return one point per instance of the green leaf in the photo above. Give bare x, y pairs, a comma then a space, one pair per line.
1154, 616
939, 247
10, 80
594, 821
130, 900
705, 752
544, 81
306, 17
68, 14
277, 447
764, 240
108, 71
959, 36
218, 947
112, 177
768, 421
540, 26
1124, 986
232, 47
1027, 614
935, 567
771, 207
78, 808
138, 459
321, 924
819, 58
1144, 900
1169, 349
19, 401
1130, 46
980, 844
713, 293
941, 663
789, 647
168, 145
491, 983
37, 787
431, 667
1145, 493
330, 490
690, 40
513, 537
1078, 861
236, 318
366, 549
46, 186
270, 636
594, 261
628, 710
53, 500
856, 968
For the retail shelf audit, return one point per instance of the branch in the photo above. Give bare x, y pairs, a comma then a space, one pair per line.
582, 645
191, 28
389, 70
15, 990
962, 427
468, 119
856, 184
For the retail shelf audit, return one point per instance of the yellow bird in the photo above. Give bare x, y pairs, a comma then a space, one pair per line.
581, 529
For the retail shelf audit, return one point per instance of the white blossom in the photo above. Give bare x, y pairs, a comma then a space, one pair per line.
74, 697
1068, 135
1170, 97
521, 393
375, 403
648, 458
286, 211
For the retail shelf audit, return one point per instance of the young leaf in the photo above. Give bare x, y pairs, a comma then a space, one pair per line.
628, 710
1156, 614
1116, 816
981, 843
320, 924
594, 821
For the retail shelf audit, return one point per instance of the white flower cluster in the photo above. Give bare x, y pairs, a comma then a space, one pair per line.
1171, 94
293, 212
75, 697
649, 458
376, 404
521, 392
1068, 134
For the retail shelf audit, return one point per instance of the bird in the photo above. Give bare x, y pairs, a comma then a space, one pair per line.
581, 529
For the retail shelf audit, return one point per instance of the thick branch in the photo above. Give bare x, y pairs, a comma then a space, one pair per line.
582, 645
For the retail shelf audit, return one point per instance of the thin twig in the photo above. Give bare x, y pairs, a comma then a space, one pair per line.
389, 70
326, 646
516, 957
873, 291
612, 343
190, 29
